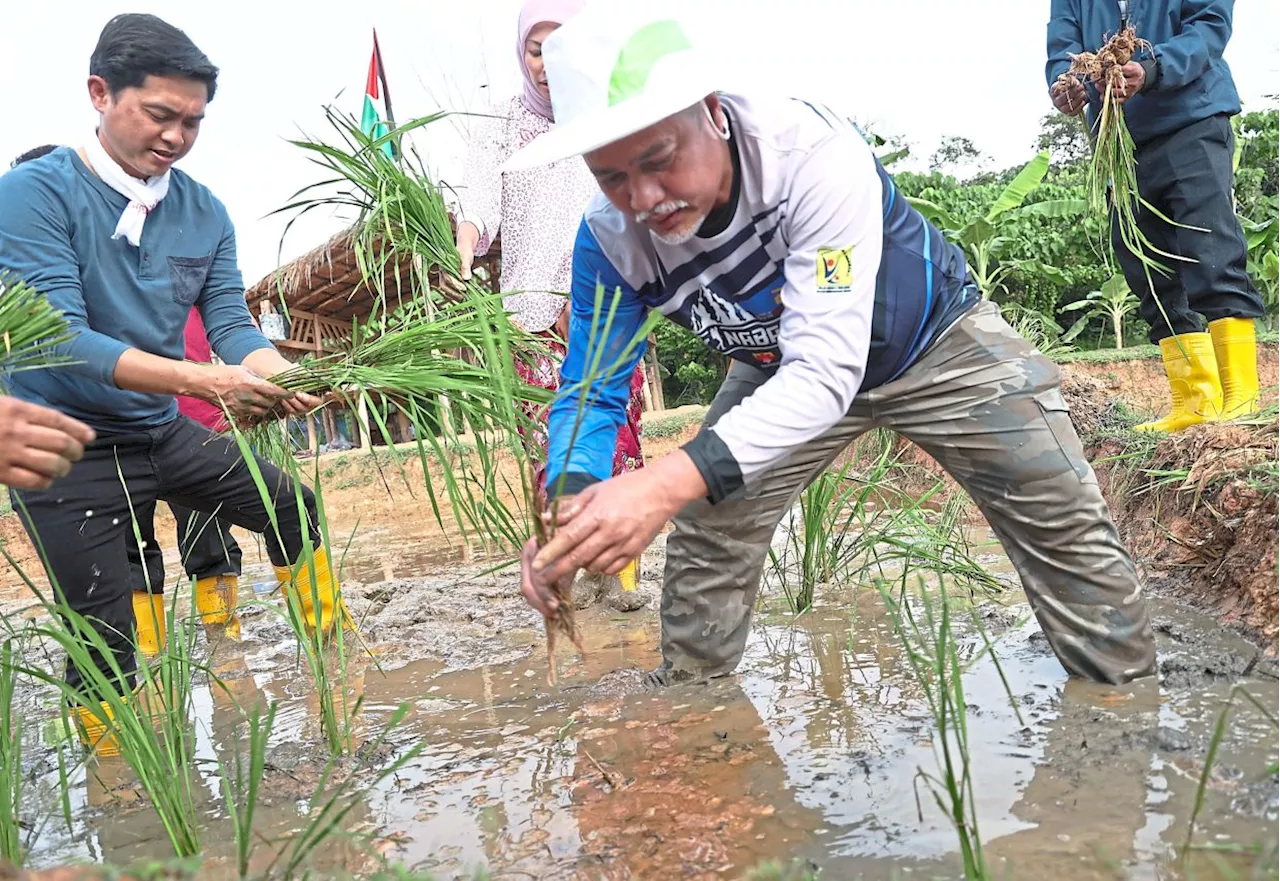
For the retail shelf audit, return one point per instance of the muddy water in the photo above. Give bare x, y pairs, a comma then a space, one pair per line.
812, 752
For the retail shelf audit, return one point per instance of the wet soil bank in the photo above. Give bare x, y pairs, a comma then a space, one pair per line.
1198, 509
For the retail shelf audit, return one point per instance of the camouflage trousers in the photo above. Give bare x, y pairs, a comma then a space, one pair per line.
987, 406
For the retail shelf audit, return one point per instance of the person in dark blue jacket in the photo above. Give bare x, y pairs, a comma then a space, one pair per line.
1178, 99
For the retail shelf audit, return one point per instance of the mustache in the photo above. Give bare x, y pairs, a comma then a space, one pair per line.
664, 208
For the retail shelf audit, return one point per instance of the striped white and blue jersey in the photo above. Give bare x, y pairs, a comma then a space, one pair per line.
824, 277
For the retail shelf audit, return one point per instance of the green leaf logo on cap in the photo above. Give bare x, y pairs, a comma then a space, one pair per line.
638, 56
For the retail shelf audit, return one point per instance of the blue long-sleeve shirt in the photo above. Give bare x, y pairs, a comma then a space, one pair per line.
1190, 81
56, 222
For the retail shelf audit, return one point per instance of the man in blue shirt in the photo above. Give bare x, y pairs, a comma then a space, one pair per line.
125, 245
1178, 99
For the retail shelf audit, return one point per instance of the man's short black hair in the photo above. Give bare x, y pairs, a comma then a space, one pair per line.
33, 153
134, 46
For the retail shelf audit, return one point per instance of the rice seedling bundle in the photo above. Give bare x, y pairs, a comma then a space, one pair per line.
30, 328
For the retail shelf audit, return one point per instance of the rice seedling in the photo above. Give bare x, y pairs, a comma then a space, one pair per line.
1111, 181
148, 724
857, 524
402, 214
31, 330
329, 807
600, 365
241, 782
313, 642
930, 645
1215, 743
401, 353
13, 840
821, 543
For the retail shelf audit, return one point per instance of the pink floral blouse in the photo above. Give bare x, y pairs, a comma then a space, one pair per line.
537, 210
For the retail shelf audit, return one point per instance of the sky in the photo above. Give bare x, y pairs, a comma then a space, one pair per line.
954, 68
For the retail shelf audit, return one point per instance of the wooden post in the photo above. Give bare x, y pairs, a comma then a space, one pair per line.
654, 374
313, 438
330, 426
362, 419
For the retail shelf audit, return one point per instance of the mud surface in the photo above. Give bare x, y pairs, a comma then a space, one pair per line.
811, 752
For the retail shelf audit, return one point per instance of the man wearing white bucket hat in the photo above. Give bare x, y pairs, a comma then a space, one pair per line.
769, 229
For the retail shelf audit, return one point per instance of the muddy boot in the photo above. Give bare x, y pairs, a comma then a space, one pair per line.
95, 724
149, 623
629, 577
216, 599
626, 600
321, 604
665, 675
588, 588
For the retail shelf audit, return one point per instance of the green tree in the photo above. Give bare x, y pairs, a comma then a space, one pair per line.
691, 372
1256, 160
1064, 137
955, 151
986, 238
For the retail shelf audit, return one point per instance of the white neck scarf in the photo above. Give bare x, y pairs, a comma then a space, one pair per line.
142, 195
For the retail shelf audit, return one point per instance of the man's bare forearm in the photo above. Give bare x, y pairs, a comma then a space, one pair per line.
266, 362
139, 371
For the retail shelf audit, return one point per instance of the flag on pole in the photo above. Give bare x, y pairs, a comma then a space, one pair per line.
376, 119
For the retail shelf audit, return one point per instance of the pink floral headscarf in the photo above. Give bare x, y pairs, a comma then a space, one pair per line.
533, 13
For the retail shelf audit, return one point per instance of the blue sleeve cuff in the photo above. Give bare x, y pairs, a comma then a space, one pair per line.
569, 484
242, 344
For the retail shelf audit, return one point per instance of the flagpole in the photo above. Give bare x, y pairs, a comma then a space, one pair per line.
382, 78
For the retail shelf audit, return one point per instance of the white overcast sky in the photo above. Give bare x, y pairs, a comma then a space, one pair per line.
918, 68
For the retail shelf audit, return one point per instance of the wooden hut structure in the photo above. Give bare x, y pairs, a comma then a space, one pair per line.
324, 290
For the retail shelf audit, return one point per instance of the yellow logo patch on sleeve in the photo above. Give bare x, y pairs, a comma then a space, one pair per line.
835, 271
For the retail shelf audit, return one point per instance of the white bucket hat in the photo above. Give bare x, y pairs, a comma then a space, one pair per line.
614, 68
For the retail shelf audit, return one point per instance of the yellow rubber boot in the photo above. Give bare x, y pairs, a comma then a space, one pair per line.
91, 725
326, 592
149, 626
629, 575
1235, 345
216, 598
1194, 386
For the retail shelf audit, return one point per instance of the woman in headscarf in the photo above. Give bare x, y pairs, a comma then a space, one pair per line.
538, 212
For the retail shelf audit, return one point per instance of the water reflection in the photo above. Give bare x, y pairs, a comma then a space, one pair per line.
812, 751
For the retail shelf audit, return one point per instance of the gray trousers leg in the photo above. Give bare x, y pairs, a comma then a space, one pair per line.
987, 406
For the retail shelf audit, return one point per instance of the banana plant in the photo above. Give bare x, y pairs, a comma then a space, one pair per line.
1263, 259
986, 238
1115, 302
